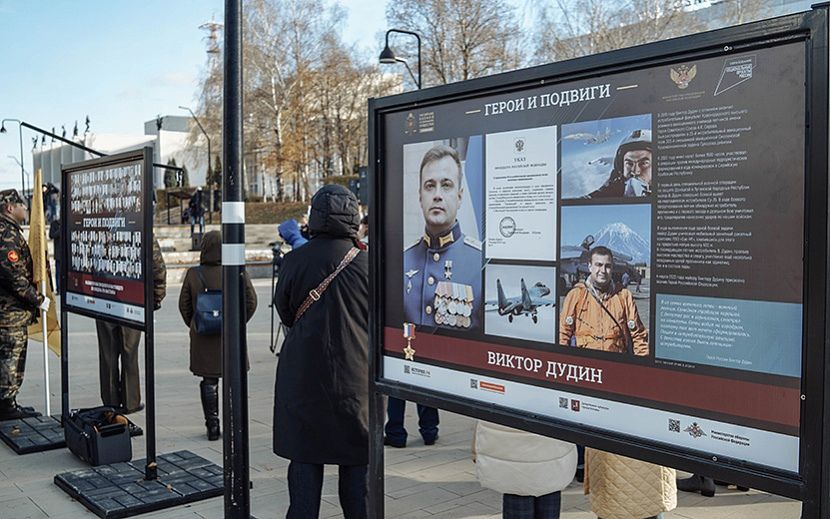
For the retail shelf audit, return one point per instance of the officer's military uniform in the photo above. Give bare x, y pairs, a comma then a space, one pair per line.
19, 302
585, 324
442, 281
118, 349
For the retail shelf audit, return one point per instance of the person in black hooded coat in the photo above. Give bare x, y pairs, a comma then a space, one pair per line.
321, 398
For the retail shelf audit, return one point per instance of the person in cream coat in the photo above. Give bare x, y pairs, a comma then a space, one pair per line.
530, 470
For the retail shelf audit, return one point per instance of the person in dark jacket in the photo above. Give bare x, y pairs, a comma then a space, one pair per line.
206, 350
321, 397
197, 211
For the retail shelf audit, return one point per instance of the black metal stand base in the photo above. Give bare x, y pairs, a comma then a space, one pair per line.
120, 490
34, 434
39, 434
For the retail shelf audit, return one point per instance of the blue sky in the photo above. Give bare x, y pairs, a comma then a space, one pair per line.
121, 62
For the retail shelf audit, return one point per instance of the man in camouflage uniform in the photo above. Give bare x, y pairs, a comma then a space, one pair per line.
118, 350
19, 303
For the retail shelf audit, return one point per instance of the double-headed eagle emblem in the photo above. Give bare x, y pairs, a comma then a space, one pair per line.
683, 75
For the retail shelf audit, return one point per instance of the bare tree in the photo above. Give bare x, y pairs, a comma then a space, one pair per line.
736, 12
573, 28
305, 95
462, 39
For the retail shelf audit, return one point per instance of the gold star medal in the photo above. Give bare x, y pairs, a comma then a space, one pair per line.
409, 334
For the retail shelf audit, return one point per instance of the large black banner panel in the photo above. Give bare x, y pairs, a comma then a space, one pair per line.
106, 204
620, 250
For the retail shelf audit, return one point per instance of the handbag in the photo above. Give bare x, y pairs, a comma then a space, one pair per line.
207, 319
316, 293
98, 435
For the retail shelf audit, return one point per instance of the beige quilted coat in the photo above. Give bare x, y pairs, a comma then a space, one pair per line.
625, 488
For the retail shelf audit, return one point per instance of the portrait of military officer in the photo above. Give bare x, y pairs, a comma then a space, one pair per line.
600, 314
631, 173
442, 269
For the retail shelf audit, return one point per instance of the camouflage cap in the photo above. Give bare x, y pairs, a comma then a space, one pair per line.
10, 196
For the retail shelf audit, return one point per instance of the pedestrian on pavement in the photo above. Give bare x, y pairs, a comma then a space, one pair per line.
118, 350
705, 485
625, 488
206, 349
697, 483
321, 398
196, 211
395, 432
530, 470
19, 303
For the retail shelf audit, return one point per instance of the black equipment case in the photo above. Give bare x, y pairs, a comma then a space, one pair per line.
91, 437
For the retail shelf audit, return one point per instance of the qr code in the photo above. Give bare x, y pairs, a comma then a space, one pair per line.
563, 402
473, 383
674, 425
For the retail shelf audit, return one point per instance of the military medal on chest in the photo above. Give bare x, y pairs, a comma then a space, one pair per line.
453, 302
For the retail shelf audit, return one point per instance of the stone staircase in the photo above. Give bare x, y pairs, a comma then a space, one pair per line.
176, 238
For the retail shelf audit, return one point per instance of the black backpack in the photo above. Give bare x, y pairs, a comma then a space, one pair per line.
208, 316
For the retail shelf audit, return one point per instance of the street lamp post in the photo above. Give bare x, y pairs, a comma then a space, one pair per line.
209, 179
388, 57
19, 163
207, 137
20, 130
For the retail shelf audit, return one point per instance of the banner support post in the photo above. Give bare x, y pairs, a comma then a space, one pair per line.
45, 347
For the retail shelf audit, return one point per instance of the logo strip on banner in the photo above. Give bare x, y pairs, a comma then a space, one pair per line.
735, 441
742, 399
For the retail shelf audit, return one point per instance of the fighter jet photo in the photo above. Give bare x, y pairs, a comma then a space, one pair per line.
508, 296
589, 138
601, 161
525, 304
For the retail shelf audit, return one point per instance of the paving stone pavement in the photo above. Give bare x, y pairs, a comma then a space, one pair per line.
436, 482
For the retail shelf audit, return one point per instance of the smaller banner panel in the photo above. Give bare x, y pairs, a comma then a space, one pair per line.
106, 238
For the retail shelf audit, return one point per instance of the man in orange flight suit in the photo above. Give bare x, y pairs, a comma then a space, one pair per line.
599, 314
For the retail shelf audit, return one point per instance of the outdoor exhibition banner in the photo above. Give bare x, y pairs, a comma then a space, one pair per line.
106, 206
686, 330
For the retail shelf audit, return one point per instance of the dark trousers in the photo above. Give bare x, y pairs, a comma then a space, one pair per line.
547, 506
427, 421
118, 365
305, 486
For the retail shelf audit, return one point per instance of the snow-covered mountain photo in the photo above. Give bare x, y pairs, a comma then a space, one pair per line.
619, 237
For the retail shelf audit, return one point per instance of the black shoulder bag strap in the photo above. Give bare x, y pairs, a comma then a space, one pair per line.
201, 278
